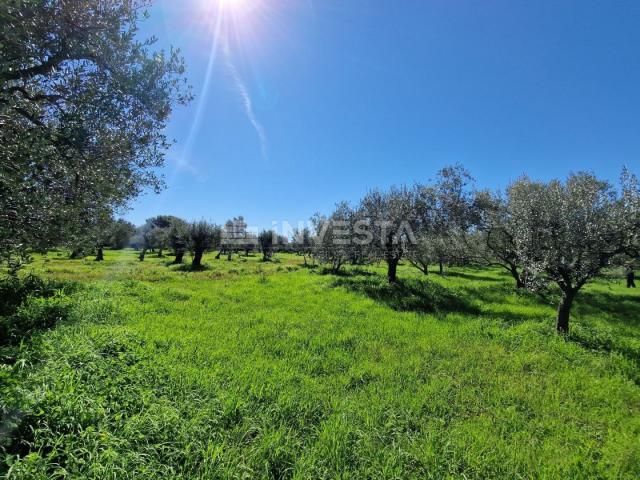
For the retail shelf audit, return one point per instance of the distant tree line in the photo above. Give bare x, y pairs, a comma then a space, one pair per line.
542, 233
168, 232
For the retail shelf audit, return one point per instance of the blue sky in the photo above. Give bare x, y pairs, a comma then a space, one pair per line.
312, 102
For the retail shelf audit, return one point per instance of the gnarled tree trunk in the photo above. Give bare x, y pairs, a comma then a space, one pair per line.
564, 309
99, 255
143, 252
197, 258
179, 257
392, 269
516, 276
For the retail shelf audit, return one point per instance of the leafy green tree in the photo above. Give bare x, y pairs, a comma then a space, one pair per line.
202, 237
333, 238
567, 232
391, 218
266, 239
155, 234
179, 239
120, 234
83, 104
303, 242
496, 240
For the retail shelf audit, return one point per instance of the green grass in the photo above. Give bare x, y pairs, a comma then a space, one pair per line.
254, 370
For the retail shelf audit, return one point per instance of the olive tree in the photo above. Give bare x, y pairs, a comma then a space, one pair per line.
333, 239
445, 218
454, 216
120, 233
266, 239
495, 244
303, 242
83, 106
391, 218
436, 248
203, 236
155, 234
179, 239
567, 232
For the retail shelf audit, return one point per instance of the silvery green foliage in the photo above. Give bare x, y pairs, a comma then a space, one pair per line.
333, 240
83, 106
391, 218
567, 232
267, 239
446, 216
494, 242
203, 236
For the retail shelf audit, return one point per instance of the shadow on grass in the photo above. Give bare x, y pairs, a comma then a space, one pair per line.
187, 267
609, 335
347, 273
413, 295
309, 266
469, 276
625, 308
30, 305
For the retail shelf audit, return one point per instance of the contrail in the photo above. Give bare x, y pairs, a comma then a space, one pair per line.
246, 101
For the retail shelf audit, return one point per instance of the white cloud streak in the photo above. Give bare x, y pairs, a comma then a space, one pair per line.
247, 102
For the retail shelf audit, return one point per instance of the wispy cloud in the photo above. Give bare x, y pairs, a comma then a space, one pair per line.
247, 102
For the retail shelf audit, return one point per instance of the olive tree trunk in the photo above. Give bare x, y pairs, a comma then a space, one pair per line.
99, 255
179, 256
564, 310
392, 269
516, 276
197, 258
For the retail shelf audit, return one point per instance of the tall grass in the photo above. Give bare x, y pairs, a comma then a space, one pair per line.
248, 369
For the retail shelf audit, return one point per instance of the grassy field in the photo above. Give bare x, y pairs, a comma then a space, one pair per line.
253, 370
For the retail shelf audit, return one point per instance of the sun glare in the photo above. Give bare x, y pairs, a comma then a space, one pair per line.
233, 4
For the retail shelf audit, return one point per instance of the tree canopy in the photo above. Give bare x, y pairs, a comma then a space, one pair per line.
83, 106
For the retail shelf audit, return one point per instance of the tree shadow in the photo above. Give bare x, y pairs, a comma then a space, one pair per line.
309, 266
171, 263
624, 308
187, 267
469, 276
614, 311
413, 295
30, 305
608, 341
346, 273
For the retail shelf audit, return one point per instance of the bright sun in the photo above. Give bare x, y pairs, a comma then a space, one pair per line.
234, 8
235, 4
